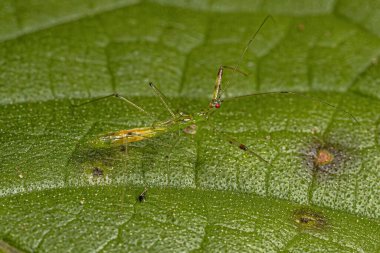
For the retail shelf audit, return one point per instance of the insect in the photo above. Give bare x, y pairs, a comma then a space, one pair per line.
183, 121
179, 120
141, 198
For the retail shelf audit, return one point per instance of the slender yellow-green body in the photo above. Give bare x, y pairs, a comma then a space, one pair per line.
121, 137
131, 135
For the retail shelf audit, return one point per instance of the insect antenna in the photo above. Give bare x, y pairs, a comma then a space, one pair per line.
253, 37
162, 97
299, 94
235, 69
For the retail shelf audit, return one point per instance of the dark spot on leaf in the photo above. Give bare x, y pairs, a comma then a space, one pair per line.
105, 156
97, 172
309, 219
243, 147
326, 158
123, 148
141, 198
97, 161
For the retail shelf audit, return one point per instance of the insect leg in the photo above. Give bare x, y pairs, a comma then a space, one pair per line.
253, 37
243, 147
240, 145
162, 97
118, 96
216, 97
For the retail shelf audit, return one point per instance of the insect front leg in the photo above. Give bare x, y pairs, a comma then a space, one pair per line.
216, 100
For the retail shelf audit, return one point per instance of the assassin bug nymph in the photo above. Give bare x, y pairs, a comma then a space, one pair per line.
183, 121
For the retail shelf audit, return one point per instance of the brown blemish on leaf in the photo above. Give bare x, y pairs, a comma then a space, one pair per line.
308, 219
326, 158
323, 157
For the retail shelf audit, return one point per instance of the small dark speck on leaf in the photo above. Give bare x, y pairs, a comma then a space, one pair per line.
97, 172
309, 219
141, 198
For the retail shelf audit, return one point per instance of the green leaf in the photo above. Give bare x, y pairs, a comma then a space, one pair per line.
61, 193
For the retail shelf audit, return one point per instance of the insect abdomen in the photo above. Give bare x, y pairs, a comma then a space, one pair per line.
131, 135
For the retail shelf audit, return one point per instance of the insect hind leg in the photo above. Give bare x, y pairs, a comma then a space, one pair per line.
232, 141
245, 148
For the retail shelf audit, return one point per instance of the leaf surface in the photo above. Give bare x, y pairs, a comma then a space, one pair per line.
59, 193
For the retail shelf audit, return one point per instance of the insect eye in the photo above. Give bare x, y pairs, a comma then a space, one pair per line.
217, 105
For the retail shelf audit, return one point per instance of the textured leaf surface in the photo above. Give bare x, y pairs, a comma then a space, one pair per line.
60, 194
